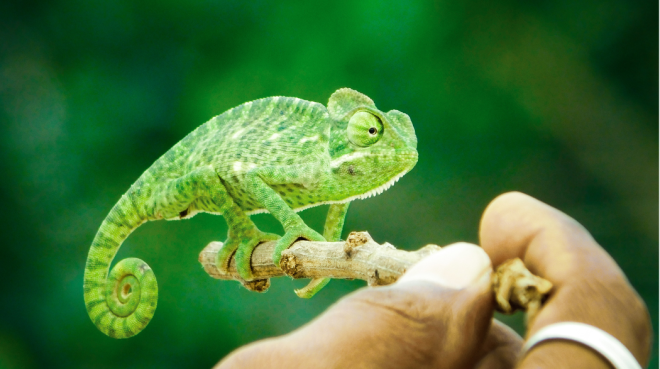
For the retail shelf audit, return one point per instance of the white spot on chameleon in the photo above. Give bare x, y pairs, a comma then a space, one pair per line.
238, 133
274, 136
348, 157
305, 139
240, 166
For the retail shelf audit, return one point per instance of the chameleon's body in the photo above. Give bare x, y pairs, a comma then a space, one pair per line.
278, 155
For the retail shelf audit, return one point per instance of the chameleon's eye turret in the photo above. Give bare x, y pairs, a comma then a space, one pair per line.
364, 129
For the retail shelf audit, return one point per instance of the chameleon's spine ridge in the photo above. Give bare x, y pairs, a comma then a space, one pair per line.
122, 303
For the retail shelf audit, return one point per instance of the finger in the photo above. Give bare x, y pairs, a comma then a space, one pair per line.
589, 286
436, 316
550, 243
501, 348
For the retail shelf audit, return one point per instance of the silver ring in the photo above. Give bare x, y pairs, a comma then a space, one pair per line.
597, 339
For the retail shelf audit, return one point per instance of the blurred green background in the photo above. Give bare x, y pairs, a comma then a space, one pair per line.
558, 99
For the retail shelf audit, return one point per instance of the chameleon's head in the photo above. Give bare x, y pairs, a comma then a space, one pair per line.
370, 150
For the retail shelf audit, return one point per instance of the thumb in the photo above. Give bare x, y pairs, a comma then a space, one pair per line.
457, 266
463, 302
437, 315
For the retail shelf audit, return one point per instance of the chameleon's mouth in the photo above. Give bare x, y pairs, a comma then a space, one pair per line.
407, 156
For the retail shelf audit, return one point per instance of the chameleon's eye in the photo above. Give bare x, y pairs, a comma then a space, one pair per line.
364, 129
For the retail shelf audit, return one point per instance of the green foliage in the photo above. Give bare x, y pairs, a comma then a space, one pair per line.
554, 98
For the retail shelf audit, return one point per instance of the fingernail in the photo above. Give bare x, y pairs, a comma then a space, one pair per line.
455, 266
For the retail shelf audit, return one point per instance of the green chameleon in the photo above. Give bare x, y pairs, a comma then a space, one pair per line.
279, 155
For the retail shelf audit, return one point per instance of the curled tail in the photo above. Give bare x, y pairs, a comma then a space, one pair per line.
124, 302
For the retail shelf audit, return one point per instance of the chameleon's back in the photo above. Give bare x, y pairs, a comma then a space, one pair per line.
271, 131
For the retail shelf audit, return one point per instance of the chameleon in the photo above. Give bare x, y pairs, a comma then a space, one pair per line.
279, 155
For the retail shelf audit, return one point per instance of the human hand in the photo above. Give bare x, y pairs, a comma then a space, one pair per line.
439, 314
589, 287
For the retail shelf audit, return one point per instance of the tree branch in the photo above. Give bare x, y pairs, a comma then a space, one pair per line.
360, 257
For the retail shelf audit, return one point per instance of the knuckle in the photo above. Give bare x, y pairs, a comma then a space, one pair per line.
509, 197
505, 201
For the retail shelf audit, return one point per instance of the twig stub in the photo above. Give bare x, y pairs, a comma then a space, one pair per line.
290, 267
516, 288
355, 239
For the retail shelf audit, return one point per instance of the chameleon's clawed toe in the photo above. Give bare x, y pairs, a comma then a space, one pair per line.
225, 253
291, 236
243, 255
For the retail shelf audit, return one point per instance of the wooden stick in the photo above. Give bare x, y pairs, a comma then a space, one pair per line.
360, 257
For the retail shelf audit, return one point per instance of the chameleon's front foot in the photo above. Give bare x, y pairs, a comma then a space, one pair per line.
242, 245
292, 235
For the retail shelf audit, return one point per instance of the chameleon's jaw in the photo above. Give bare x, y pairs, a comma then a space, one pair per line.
397, 166
380, 189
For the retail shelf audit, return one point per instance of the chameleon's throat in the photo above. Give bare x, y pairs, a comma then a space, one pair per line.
374, 192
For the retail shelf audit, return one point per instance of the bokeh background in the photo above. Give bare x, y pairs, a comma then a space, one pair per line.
558, 99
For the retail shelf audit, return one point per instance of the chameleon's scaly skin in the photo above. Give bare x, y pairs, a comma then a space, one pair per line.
278, 155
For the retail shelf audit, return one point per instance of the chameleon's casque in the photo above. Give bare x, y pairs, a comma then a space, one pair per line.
278, 155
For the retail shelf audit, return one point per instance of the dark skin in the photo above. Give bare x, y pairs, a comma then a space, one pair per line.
439, 314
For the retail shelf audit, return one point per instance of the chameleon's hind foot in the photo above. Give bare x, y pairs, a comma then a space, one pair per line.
238, 242
244, 245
